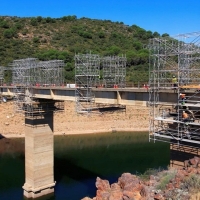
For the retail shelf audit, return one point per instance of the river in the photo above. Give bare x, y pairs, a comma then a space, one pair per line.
80, 159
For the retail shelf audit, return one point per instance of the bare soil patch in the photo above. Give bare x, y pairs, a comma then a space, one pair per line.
133, 118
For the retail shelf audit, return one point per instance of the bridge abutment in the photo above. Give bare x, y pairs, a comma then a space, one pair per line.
39, 156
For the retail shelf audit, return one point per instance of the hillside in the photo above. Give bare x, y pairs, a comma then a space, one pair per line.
61, 38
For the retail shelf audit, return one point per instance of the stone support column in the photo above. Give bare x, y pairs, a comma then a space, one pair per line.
39, 156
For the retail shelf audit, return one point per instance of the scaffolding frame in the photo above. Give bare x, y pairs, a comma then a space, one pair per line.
29, 72
179, 57
114, 71
1, 75
1, 80
87, 74
50, 73
23, 76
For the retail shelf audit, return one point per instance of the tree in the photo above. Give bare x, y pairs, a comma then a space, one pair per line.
101, 34
85, 34
39, 18
156, 34
34, 21
36, 40
113, 51
137, 45
50, 20
69, 18
131, 58
4, 24
9, 33
18, 25
165, 35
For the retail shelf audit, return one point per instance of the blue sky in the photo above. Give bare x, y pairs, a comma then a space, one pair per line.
164, 16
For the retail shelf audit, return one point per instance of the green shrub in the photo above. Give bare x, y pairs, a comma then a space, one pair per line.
192, 182
36, 40
9, 33
4, 24
165, 179
148, 173
34, 22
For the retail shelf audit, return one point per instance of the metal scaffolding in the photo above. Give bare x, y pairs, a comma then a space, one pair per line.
23, 76
1, 75
1, 81
87, 74
114, 71
29, 72
50, 73
23, 71
175, 68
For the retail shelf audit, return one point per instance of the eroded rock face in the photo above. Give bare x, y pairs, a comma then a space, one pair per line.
128, 187
128, 181
103, 189
132, 187
102, 185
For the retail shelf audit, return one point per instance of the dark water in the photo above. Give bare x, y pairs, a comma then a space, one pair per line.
79, 159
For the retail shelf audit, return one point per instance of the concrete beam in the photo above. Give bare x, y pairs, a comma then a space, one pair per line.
122, 96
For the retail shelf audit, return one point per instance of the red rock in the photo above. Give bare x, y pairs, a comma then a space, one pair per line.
116, 195
147, 183
115, 186
176, 185
102, 195
158, 197
86, 198
116, 192
152, 177
131, 195
103, 189
128, 180
102, 184
170, 186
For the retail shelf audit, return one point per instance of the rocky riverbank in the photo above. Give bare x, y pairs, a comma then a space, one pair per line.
171, 184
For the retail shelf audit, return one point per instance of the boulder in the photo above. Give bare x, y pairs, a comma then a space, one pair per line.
102, 184
127, 181
103, 189
86, 198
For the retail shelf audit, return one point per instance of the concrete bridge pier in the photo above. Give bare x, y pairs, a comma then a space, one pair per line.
39, 156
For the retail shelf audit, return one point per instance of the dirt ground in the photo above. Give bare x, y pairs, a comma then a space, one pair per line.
133, 118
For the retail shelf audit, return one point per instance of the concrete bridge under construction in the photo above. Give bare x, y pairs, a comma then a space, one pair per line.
102, 81
118, 96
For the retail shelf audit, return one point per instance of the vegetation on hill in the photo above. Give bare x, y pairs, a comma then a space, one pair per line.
61, 38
